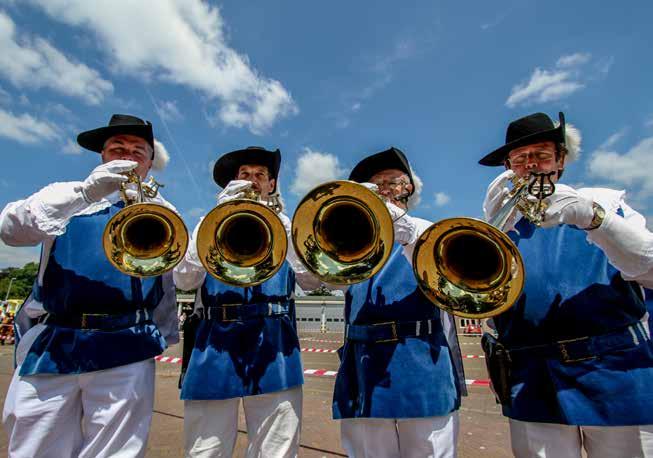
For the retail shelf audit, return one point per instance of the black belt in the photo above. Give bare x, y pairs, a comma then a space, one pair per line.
242, 312
588, 347
390, 331
97, 321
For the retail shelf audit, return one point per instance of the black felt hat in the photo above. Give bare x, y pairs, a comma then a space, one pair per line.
120, 124
227, 166
392, 158
530, 129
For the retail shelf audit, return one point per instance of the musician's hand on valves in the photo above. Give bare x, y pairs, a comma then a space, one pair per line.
567, 206
105, 179
497, 194
234, 190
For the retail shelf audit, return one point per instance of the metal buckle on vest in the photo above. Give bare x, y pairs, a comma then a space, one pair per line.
84, 324
224, 308
393, 328
564, 350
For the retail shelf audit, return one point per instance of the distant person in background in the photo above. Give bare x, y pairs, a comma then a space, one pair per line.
84, 381
576, 348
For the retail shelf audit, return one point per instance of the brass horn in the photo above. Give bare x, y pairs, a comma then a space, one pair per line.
471, 268
144, 239
342, 232
242, 242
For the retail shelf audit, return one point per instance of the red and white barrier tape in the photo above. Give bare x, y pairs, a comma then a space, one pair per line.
313, 372
167, 359
321, 340
318, 350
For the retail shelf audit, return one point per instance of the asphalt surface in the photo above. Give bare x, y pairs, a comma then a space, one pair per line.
483, 430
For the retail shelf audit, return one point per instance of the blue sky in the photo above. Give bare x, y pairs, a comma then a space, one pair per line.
327, 83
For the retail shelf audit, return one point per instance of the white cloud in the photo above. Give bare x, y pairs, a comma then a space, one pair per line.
168, 110
17, 256
573, 60
631, 169
314, 168
26, 129
441, 199
549, 85
544, 86
613, 139
195, 213
32, 62
648, 123
382, 69
182, 43
71, 147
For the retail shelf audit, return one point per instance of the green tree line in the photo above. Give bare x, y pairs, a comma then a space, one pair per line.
23, 280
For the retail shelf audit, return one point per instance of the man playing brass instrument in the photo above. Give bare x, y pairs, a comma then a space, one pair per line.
87, 335
245, 338
400, 380
577, 355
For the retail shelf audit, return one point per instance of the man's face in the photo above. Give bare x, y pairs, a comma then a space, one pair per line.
393, 184
129, 147
538, 157
259, 176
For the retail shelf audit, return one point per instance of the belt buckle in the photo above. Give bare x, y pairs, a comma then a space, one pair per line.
564, 351
84, 324
393, 327
224, 308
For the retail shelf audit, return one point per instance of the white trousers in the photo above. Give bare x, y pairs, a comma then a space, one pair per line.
411, 437
542, 440
97, 414
273, 425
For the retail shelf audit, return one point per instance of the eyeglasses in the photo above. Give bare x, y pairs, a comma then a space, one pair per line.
390, 183
538, 156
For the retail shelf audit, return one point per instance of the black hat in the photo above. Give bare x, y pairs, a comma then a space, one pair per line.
227, 166
119, 124
530, 129
392, 158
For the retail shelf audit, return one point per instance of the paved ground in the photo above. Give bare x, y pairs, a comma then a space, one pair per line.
483, 430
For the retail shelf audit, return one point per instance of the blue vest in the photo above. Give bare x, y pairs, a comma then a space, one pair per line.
412, 378
245, 357
573, 291
78, 279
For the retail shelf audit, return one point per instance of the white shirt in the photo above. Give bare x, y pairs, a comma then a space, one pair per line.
43, 216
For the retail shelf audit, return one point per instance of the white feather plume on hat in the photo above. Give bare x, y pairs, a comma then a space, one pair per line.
414, 199
573, 140
161, 156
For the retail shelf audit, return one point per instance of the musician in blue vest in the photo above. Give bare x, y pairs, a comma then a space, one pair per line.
87, 334
400, 380
246, 344
577, 354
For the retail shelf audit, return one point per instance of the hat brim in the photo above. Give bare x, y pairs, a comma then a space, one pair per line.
375, 163
94, 140
226, 168
498, 156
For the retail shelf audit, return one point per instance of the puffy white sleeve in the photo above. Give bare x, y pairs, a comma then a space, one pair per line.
41, 216
625, 240
303, 276
189, 274
165, 314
